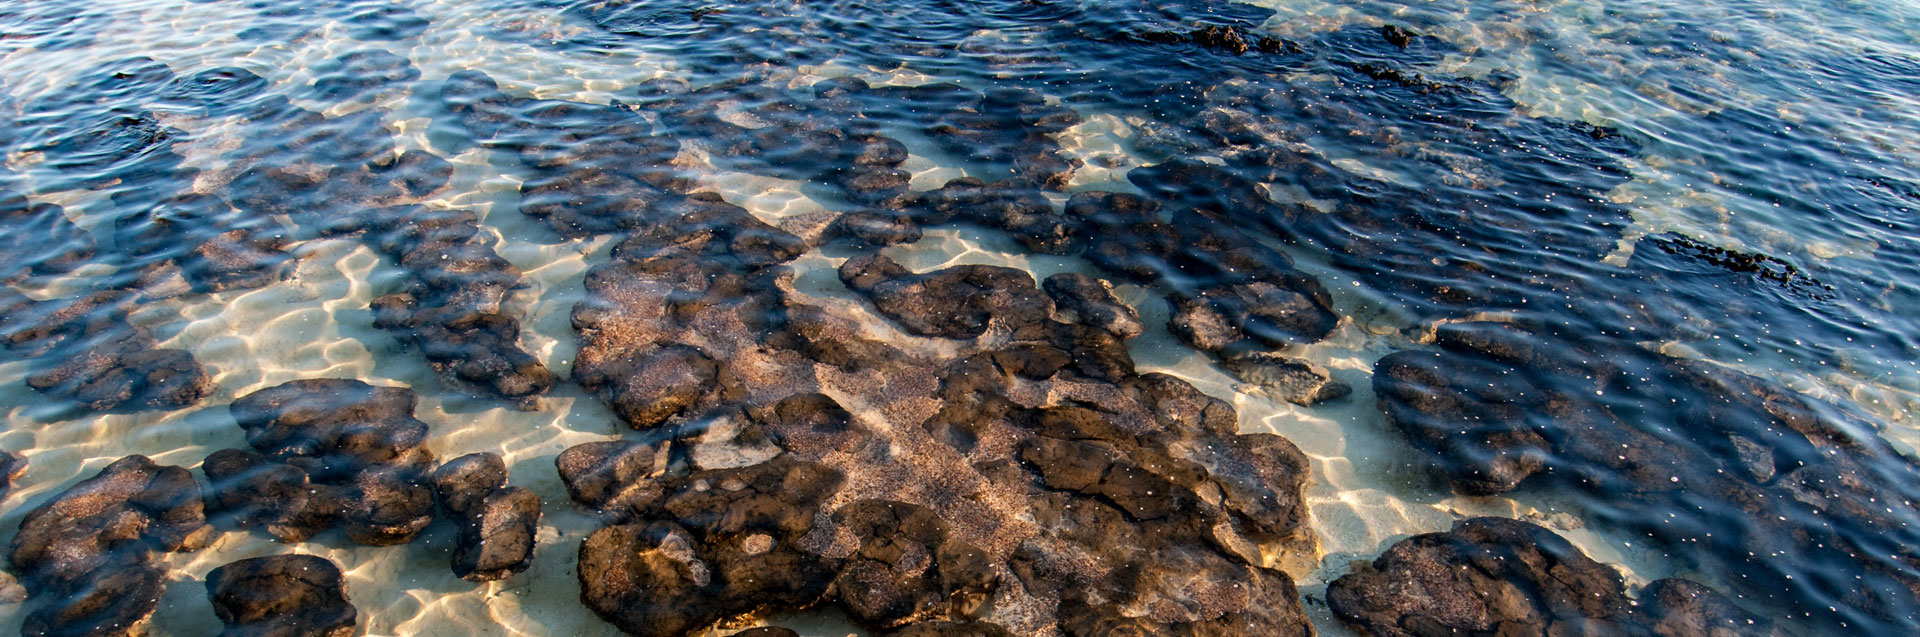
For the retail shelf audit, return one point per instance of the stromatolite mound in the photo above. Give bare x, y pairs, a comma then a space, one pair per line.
1155, 504
955, 302
354, 74
1091, 302
1231, 296
597, 168
200, 239
85, 555
663, 311
908, 566
1009, 130
281, 596
37, 238
450, 306
1668, 449
497, 522
317, 169
327, 452
999, 308
12, 466
1020, 210
85, 351
708, 546
1495, 576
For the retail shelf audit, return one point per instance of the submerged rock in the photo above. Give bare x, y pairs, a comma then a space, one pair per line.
278, 595
84, 555
12, 466
1148, 498
908, 568
1290, 379
956, 302
724, 546
1092, 303
377, 21
706, 266
1020, 210
1507, 577
450, 307
37, 238
352, 75
1008, 128
1230, 295
597, 168
203, 240
497, 522
875, 228
327, 452
1664, 446
85, 351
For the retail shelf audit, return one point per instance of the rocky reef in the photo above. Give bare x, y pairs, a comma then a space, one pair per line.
85, 557
1494, 576
326, 453
497, 522
1020, 476
84, 351
1670, 449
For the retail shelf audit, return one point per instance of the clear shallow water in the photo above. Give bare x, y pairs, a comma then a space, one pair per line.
1472, 191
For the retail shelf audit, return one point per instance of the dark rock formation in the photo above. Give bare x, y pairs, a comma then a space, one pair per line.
354, 74
378, 21
12, 466
1007, 130
1494, 576
1231, 296
1133, 505
1674, 607
280, 595
497, 522
907, 567
703, 261
1667, 449
598, 168
1091, 303
875, 228
327, 452
37, 238
956, 302
305, 165
84, 555
724, 545
1293, 380
450, 306
1019, 210
86, 352
217, 91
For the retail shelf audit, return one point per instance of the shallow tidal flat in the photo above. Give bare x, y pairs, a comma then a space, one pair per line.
558, 317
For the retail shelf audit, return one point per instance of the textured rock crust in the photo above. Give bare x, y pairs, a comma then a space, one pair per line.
84, 351
1670, 448
85, 555
281, 596
497, 522
450, 307
1495, 576
326, 453
1020, 475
